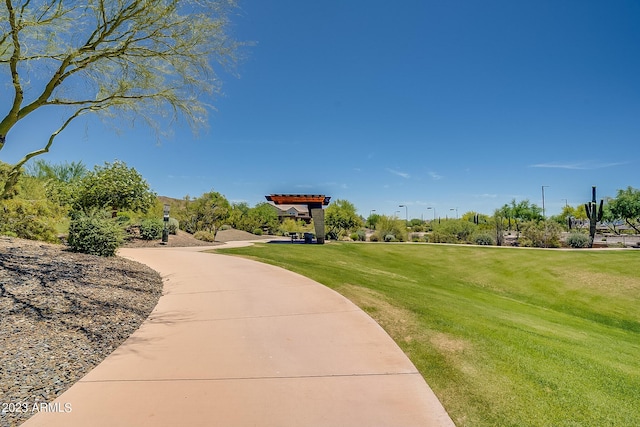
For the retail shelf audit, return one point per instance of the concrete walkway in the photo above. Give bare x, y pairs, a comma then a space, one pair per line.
234, 342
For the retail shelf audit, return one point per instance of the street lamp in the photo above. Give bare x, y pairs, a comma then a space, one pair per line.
165, 230
455, 209
434, 212
543, 187
406, 212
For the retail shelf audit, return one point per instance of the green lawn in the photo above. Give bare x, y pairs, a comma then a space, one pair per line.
504, 336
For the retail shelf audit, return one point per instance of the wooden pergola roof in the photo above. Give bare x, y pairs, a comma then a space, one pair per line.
299, 199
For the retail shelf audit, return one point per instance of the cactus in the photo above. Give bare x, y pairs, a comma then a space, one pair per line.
594, 214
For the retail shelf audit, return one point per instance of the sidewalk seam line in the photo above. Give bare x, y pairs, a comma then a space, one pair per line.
219, 291
287, 377
254, 317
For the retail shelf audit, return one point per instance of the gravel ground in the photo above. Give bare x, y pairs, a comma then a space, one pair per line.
182, 239
62, 313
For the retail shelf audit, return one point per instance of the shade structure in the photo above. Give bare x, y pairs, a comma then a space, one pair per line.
314, 202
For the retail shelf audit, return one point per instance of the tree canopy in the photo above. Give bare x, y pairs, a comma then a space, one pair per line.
114, 186
626, 206
150, 59
340, 217
206, 213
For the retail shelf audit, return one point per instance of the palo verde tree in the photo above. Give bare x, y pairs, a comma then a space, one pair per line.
150, 59
206, 213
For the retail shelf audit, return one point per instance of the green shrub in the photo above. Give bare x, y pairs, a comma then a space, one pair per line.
542, 234
577, 240
354, 236
362, 235
122, 218
205, 236
391, 226
151, 229
226, 227
484, 239
94, 234
374, 238
439, 236
389, 238
173, 226
257, 231
34, 220
454, 231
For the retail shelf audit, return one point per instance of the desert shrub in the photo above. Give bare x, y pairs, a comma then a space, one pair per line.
205, 236
34, 220
354, 236
540, 234
440, 236
226, 227
577, 240
257, 231
362, 235
484, 239
374, 238
94, 234
391, 226
291, 226
454, 231
389, 238
151, 229
173, 226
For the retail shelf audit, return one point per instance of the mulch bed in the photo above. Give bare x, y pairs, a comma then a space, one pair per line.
62, 313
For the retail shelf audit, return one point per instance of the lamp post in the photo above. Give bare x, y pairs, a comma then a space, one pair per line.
165, 230
406, 212
543, 187
434, 212
455, 209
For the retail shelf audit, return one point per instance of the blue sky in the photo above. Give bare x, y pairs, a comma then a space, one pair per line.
443, 104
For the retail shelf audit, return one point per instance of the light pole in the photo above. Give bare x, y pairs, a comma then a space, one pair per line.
165, 230
406, 212
455, 209
396, 213
543, 187
370, 215
434, 212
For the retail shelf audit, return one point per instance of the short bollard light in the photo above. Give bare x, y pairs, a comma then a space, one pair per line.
165, 231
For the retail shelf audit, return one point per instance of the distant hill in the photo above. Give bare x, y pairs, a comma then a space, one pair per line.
171, 201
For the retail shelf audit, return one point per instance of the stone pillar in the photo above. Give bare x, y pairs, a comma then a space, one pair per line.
318, 221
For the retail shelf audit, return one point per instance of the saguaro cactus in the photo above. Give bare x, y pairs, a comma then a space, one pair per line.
594, 214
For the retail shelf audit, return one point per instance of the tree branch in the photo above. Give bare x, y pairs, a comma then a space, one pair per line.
14, 174
12, 117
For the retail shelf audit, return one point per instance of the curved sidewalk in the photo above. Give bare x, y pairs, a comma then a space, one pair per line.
233, 342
